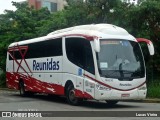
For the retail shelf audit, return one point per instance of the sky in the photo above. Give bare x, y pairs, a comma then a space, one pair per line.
6, 4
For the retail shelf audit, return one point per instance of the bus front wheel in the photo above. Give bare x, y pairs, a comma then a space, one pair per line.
71, 98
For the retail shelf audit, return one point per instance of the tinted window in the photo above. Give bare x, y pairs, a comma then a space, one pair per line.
79, 52
46, 48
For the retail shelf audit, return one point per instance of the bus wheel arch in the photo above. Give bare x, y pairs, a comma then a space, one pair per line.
70, 93
69, 82
22, 88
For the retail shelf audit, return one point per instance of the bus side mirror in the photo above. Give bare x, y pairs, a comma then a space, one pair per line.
149, 44
96, 44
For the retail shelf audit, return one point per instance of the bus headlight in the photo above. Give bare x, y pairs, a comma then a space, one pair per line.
101, 87
142, 88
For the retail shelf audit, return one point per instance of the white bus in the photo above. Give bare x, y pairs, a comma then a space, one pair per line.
97, 61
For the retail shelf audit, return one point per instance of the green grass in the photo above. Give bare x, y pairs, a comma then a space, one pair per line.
153, 89
2, 84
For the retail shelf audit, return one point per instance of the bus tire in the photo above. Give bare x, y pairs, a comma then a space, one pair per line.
70, 94
22, 89
111, 102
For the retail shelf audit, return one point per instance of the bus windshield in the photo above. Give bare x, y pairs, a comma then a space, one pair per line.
121, 59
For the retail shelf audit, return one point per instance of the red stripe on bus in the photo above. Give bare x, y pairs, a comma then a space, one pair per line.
90, 38
143, 40
111, 86
35, 85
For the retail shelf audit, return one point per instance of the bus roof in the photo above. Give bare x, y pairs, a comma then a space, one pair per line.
103, 28
88, 31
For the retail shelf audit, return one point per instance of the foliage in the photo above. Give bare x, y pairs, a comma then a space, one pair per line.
2, 80
147, 25
153, 89
22, 24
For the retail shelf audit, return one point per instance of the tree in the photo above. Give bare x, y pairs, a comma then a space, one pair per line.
24, 23
145, 22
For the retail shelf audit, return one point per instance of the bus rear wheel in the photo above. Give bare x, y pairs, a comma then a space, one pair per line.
70, 94
111, 102
22, 89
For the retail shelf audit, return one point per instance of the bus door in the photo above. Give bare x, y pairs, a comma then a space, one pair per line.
89, 86
89, 73
79, 63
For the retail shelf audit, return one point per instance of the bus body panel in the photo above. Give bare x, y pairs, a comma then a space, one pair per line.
51, 74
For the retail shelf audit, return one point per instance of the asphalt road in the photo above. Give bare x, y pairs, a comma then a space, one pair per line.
11, 101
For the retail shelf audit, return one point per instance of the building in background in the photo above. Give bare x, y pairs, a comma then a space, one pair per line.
52, 5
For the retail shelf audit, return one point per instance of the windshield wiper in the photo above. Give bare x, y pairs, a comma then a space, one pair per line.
121, 71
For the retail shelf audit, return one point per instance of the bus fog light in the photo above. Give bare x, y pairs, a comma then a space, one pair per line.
142, 88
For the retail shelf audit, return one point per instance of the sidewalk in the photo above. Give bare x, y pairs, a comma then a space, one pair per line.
7, 89
147, 100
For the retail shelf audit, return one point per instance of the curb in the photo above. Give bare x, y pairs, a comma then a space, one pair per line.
7, 89
147, 100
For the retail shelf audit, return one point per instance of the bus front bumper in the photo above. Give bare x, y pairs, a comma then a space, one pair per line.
120, 95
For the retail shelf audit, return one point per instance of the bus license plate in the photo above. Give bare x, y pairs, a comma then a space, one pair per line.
125, 95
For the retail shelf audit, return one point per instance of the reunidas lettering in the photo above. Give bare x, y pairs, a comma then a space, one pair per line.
48, 65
